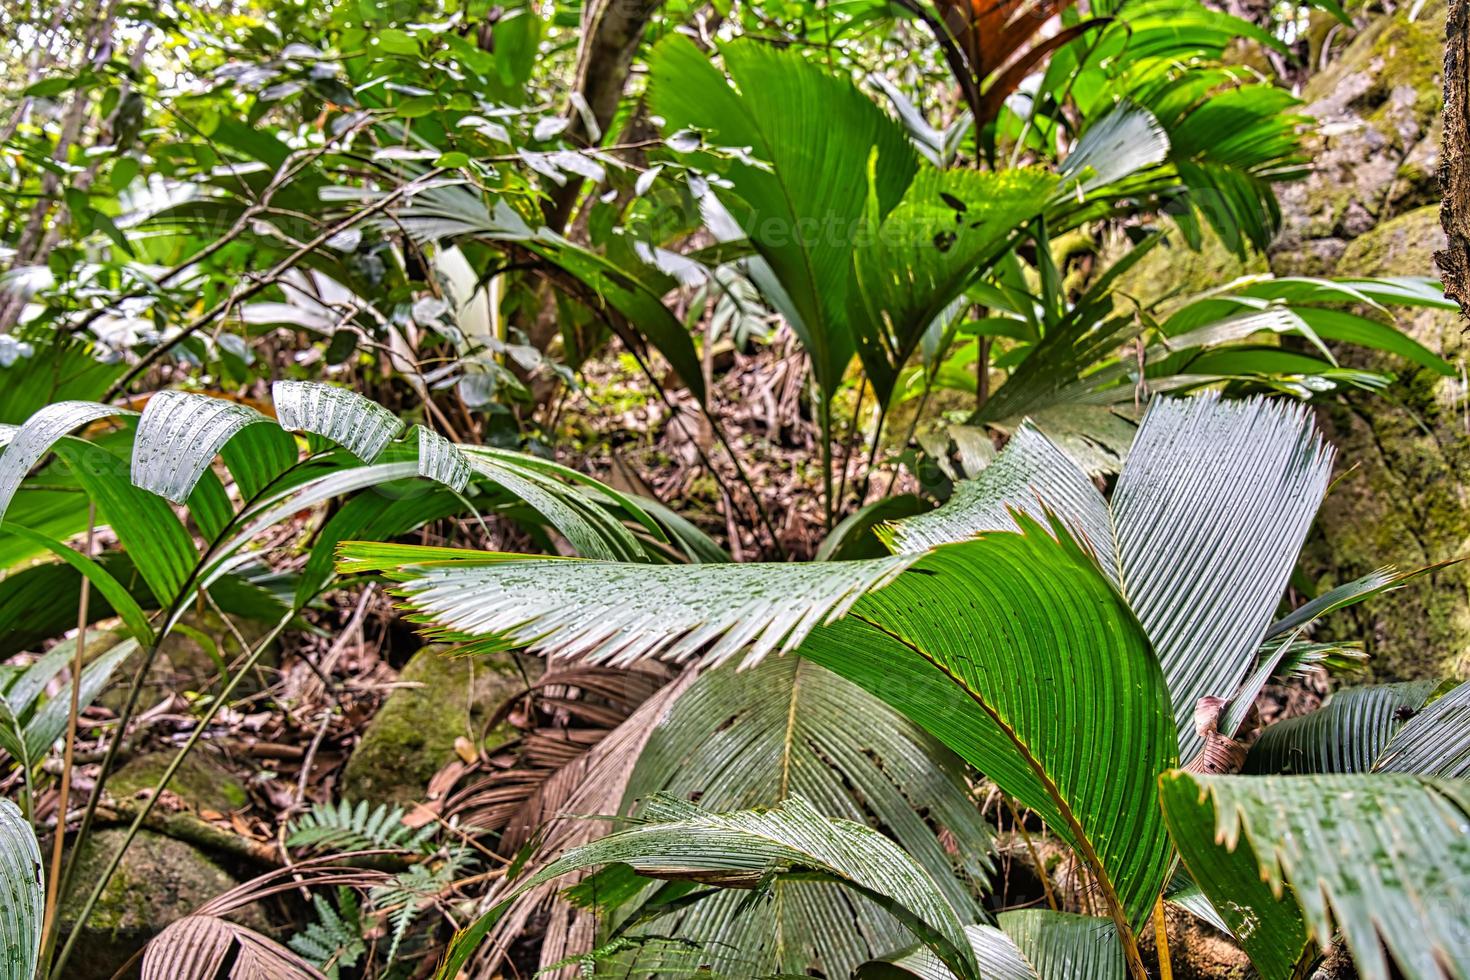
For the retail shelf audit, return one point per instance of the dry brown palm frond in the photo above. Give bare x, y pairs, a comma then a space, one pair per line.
557, 812
565, 713
205, 946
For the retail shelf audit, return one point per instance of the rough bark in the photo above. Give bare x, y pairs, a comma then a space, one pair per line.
611, 31
1454, 166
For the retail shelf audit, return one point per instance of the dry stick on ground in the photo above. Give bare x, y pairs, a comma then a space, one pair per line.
1454, 167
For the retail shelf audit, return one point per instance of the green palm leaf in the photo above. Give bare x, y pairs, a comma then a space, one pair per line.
783, 729
1029, 944
22, 894
1435, 742
750, 849
1384, 859
1347, 734
821, 149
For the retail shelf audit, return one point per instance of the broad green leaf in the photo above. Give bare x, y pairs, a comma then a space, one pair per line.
159, 545
1267, 925
1347, 734
750, 849
1382, 858
117, 596
49, 721
817, 147
946, 642
784, 728
22, 893
1029, 944
910, 265
1435, 742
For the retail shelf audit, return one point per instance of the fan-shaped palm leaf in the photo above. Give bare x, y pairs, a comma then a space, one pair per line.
1347, 734
783, 728
1384, 859
1435, 742
750, 849
1028, 944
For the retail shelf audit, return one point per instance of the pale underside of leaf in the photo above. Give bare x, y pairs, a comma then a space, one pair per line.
38, 434
1031, 476
440, 460
179, 436
357, 424
607, 612
22, 893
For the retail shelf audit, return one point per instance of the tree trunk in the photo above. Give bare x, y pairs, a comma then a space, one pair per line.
1454, 168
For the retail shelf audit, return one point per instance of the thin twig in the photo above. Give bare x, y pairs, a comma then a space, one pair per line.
68, 757
265, 281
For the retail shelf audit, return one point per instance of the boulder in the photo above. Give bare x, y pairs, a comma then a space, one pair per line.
443, 698
159, 880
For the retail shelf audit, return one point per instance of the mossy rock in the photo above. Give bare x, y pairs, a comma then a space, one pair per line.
200, 781
159, 881
1404, 498
1172, 272
412, 736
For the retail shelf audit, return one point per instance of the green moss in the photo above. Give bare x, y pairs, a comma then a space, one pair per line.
159, 880
413, 734
200, 781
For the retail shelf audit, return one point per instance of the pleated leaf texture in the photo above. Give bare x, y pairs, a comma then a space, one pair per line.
750, 849
1382, 858
1347, 734
782, 729
22, 893
1026, 944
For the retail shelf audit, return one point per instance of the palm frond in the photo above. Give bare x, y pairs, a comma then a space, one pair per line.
749, 849
1211, 512
1346, 735
357, 424
22, 892
1028, 944
1338, 847
752, 738
37, 434
1030, 476
203, 947
1435, 742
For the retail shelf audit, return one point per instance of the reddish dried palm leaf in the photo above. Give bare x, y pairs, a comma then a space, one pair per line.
584, 704
991, 35
1010, 79
594, 784
202, 947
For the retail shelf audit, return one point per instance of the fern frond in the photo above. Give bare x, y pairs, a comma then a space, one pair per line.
346, 828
